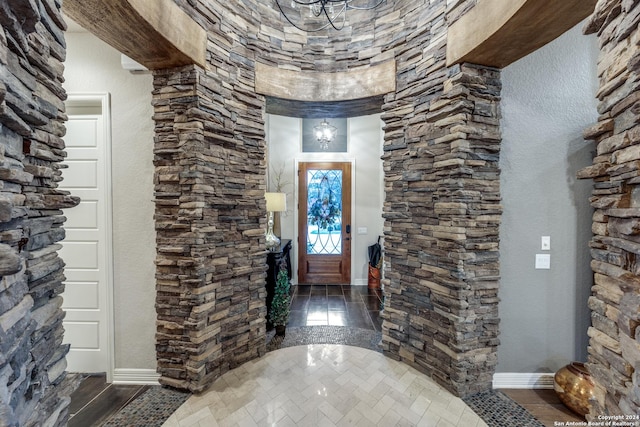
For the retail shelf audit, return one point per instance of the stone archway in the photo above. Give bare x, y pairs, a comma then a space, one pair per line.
415, 271
442, 310
421, 111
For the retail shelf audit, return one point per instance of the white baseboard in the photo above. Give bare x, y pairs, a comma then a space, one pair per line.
135, 376
526, 381
500, 380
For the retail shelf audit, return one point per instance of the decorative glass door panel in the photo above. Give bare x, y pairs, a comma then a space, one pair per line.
324, 223
324, 212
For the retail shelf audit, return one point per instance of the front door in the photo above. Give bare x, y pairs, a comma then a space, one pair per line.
324, 223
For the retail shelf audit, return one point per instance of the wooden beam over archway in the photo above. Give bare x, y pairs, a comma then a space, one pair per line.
498, 32
157, 34
316, 86
317, 94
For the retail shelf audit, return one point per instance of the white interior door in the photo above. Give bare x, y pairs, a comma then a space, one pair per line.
87, 247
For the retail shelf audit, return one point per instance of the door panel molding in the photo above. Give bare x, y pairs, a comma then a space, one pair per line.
91, 107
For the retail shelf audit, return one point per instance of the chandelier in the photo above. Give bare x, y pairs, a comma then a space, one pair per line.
317, 11
325, 134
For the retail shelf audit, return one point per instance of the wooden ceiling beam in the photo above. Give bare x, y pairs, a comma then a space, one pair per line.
321, 95
497, 33
155, 33
361, 83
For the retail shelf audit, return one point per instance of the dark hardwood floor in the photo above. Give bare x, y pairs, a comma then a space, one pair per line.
337, 305
95, 401
544, 405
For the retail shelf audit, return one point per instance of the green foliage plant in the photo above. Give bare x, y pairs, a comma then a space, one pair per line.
279, 315
324, 212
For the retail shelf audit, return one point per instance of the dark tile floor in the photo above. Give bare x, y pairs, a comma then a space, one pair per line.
336, 305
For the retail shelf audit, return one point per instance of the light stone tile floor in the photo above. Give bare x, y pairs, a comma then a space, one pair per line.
324, 385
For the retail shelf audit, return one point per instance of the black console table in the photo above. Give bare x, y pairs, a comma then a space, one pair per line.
275, 259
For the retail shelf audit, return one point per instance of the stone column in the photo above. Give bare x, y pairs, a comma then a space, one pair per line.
614, 347
442, 215
34, 388
210, 219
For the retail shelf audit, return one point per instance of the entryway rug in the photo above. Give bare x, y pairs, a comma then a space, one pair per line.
345, 335
150, 409
498, 410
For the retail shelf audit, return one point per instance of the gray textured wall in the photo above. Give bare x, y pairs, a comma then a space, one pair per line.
548, 100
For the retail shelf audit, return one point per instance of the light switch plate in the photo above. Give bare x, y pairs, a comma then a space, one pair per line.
546, 243
543, 261
362, 230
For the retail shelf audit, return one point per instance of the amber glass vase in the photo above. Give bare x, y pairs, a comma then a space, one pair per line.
574, 387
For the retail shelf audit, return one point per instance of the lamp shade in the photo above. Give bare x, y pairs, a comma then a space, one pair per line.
276, 202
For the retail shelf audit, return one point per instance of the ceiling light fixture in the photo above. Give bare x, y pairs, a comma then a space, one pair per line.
325, 134
311, 14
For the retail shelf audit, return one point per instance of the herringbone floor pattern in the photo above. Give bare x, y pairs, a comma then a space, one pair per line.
324, 385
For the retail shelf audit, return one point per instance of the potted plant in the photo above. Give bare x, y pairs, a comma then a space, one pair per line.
279, 315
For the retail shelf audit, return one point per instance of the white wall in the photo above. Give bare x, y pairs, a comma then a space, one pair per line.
93, 66
284, 138
548, 99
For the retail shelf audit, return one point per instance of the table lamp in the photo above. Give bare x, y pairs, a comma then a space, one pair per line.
276, 202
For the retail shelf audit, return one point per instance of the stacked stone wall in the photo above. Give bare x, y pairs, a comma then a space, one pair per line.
255, 29
442, 215
442, 210
614, 346
210, 220
34, 387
